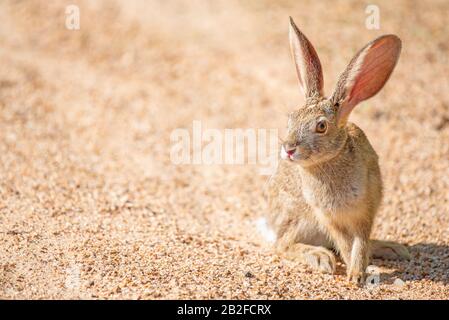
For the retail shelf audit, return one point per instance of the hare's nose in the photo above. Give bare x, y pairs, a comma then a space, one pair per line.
290, 150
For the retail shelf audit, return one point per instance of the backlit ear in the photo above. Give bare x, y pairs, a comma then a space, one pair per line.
366, 74
307, 63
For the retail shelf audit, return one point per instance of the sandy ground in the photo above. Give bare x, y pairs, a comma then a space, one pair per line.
91, 205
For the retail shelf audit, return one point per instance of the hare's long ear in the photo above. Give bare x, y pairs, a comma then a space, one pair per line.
366, 74
307, 63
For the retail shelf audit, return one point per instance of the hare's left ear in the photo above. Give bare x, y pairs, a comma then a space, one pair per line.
366, 74
307, 63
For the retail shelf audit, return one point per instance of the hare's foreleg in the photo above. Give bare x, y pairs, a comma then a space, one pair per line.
359, 259
353, 248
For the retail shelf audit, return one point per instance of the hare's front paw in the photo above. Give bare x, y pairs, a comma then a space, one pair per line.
356, 276
321, 259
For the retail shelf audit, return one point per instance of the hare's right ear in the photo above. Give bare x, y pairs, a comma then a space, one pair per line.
366, 74
307, 63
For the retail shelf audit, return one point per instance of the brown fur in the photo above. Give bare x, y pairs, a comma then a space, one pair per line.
326, 193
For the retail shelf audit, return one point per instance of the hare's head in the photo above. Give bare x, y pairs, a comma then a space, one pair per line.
316, 131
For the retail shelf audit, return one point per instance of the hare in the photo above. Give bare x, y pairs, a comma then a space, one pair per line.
328, 187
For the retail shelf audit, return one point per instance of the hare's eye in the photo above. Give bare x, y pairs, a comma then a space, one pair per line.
321, 126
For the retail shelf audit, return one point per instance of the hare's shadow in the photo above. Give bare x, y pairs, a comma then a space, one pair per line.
429, 261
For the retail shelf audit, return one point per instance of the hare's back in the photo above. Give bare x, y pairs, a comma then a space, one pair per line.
366, 152
362, 145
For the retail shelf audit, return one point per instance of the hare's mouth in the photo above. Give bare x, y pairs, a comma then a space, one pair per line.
290, 155
299, 155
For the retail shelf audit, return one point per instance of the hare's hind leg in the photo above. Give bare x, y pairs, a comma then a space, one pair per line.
317, 257
389, 250
297, 234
